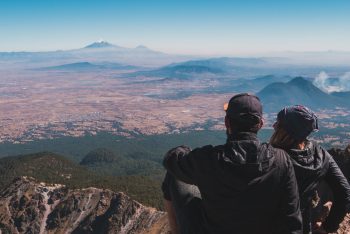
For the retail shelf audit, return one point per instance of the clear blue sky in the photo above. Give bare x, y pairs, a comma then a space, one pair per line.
181, 26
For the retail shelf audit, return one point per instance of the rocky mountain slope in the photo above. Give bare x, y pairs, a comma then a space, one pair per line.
56, 169
27, 206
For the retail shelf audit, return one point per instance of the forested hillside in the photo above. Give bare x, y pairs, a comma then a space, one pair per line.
52, 168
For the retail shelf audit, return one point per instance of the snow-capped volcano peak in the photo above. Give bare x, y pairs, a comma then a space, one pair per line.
100, 44
141, 47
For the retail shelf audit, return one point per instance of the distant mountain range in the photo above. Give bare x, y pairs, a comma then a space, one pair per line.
254, 85
301, 91
101, 51
96, 52
180, 72
227, 63
87, 66
344, 95
158, 62
231, 68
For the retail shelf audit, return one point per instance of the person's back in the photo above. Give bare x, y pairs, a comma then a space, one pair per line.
312, 164
242, 183
245, 186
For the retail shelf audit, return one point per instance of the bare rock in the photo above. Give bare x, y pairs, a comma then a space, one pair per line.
30, 207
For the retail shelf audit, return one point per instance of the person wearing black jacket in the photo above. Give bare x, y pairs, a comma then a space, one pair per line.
243, 186
312, 164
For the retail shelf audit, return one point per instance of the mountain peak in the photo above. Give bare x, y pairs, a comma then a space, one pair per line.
304, 83
96, 210
141, 47
299, 80
100, 44
299, 91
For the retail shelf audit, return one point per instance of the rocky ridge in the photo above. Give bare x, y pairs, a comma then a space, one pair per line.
27, 206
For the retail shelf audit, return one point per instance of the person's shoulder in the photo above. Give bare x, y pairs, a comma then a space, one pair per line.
267, 148
278, 156
316, 146
183, 150
179, 150
204, 150
208, 152
320, 152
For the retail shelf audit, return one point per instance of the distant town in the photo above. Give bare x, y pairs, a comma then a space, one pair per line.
136, 91
48, 105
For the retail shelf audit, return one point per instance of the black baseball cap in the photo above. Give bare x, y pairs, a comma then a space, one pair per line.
244, 104
298, 121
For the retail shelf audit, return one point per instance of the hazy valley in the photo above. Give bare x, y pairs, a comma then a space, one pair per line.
103, 116
97, 89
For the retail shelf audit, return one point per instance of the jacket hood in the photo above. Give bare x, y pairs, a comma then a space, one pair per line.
309, 166
310, 158
247, 155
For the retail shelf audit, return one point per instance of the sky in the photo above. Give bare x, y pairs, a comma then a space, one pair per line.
216, 27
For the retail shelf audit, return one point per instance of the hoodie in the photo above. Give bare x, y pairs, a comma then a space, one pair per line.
246, 186
312, 165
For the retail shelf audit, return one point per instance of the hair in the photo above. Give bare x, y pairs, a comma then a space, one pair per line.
281, 139
246, 123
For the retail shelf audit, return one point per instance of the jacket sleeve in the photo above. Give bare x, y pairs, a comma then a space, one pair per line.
180, 162
290, 203
341, 195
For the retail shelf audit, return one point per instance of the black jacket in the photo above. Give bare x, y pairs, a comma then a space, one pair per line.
246, 186
312, 165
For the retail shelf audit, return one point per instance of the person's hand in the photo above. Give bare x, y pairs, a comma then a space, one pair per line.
318, 229
318, 225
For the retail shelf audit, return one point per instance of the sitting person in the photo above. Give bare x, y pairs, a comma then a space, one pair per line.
243, 186
312, 164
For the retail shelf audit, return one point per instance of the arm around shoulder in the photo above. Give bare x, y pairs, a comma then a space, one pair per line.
185, 164
341, 193
178, 162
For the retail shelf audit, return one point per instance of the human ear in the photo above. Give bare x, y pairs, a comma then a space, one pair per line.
261, 123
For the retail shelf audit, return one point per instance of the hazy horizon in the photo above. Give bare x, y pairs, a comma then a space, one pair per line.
243, 54
220, 28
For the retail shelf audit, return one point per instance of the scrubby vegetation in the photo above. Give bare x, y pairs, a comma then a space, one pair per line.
131, 165
106, 162
51, 168
139, 146
152, 147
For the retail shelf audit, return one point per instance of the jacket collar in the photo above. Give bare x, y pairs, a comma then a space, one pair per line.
242, 136
308, 151
306, 156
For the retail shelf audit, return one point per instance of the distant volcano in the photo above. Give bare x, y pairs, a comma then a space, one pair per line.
141, 47
298, 91
100, 44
